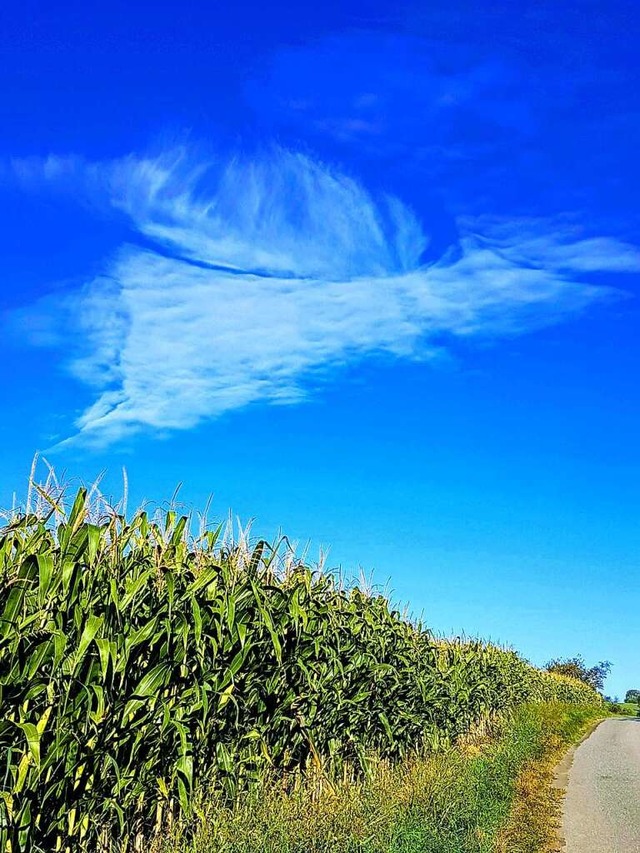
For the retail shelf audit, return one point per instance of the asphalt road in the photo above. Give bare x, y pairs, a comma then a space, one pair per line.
602, 805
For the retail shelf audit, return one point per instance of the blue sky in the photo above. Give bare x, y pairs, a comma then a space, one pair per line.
366, 274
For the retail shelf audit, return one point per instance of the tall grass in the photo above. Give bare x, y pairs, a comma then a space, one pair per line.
137, 663
478, 796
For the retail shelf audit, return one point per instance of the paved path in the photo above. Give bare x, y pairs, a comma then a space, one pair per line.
602, 806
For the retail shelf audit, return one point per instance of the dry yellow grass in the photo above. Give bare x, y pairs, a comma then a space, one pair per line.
491, 793
535, 818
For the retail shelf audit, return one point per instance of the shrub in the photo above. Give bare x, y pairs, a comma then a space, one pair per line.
576, 668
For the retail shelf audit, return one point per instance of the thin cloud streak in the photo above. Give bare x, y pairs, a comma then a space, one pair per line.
260, 277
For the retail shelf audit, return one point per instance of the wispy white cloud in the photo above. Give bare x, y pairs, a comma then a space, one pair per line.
259, 277
557, 243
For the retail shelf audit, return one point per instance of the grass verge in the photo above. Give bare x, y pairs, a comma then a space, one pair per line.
489, 794
534, 819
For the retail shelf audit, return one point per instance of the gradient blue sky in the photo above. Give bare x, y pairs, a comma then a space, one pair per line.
365, 272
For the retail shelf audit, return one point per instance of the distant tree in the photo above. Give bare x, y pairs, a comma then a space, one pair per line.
576, 668
632, 696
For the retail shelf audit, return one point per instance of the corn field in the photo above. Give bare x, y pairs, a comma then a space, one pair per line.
138, 663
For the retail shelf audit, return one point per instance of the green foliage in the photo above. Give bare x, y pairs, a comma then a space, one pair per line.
457, 800
627, 709
576, 668
632, 696
136, 664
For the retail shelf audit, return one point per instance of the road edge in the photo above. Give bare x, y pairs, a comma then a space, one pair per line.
561, 776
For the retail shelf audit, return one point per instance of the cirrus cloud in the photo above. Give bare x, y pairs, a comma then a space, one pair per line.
250, 281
